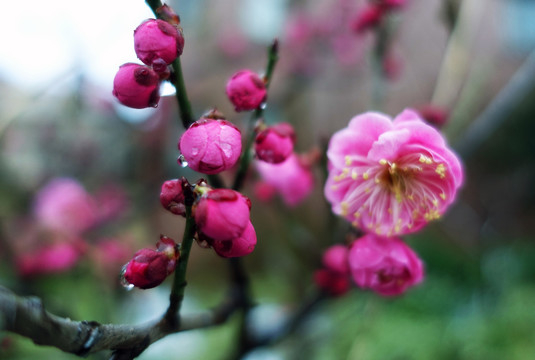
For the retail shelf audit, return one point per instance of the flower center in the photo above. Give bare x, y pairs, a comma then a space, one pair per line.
395, 179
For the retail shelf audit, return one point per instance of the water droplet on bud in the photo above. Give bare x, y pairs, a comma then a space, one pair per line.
124, 283
263, 105
182, 161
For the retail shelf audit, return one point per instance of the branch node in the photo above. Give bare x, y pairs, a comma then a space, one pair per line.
92, 337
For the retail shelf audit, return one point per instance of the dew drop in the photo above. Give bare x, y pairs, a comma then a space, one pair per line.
124, 283
263, 105
182, 161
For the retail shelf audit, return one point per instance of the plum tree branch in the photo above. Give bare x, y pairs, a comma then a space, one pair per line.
27, 316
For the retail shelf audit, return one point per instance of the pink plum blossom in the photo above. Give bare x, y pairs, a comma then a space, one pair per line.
275, 143
293, 180
211, 146
222, 214
246, 90
240, 246
385, 265
64, 205
391, 177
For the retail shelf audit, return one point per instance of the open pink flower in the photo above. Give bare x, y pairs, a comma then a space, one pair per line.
385, 265
293, 180
391, 177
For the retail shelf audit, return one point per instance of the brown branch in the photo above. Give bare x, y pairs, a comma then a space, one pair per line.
27, 316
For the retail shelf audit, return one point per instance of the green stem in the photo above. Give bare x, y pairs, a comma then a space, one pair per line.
177, 78
179, 281
184, 105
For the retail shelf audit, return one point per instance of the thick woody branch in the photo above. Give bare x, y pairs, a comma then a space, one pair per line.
27, 316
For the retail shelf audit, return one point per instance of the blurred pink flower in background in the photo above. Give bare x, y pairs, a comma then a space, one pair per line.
64, 205
385, 265
333, 278
335, 259
391, 177
111, 251
232, 42
50, 258
111, 201
293, 180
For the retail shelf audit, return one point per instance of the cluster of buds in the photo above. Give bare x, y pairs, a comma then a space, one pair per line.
157, 44
222, 216
385, 265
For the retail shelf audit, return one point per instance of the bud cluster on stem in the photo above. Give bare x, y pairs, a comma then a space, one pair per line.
157, 44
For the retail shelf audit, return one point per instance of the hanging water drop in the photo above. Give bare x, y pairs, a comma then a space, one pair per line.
124, 283
182, 161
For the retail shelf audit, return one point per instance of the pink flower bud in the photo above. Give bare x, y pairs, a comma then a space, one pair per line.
246, 90
136, 86
149, 267
158, 39
241, 246
211, 146
264, 191
367, 18
385, 265
222, 214
172, 197
335, 259
276, 143
434, 115
332, 282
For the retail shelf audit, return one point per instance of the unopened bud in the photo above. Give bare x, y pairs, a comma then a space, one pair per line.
136, 86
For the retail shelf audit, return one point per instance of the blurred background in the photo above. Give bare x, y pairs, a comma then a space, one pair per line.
60, 128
